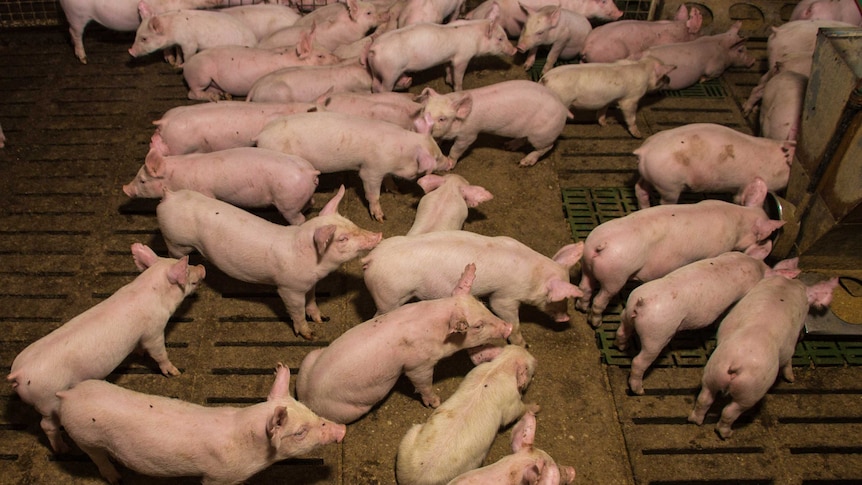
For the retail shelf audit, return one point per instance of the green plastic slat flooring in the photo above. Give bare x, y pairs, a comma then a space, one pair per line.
586, 208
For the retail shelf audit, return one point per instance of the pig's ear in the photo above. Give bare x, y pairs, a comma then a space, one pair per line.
423, 123
555, 15
463, 106
430, 182
276, 421
425, 95
144, 256
763, 228
352, 9
179, 272
303, 48
144, 10
754, 193
759, 251
466, 282
681, 13
324, 99
559, 290
156, 25
323, 236
493, 13
787, 266
820, 294
155, 163
570, 254
457, 322
425, 162
331, 207
695, 21
474, 195
526, 9
524, 432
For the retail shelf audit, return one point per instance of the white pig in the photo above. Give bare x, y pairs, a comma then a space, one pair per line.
165, 437
781, 105
120, 15
444, 206
264, 19
210, 127
422, 46
708, 157
619, 40
374, 148
527, 464
191, 30
498, 109
596, 86
425, 266
693, 296
245, 177
458, 434
651, 242
254, 250
394, 107
305, 84
756, 341
565, 31
357, 370
332, 32
513, 16
433, 11
94, 343
842, 10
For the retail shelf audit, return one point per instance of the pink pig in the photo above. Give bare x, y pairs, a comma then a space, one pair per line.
254, 250
393, 150
458, 434
165, 437
425, 266
305, 84
513, 15
264, 19
703, 58
410, 339
498, 109
781, 105
397, 108
619, 40
527, 464
433, 11
422, 46
94, 343
596, 86
226, 71
121, 15
191, 30
445, 204
650, 243
211, 127
245, 177
842, 10
331, 32
756, 341
707, 157
565, 31
693, 296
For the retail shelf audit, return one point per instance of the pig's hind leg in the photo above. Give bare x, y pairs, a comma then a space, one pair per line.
103, 462
51, 426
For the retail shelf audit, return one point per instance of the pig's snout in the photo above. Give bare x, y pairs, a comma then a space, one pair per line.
337, 431
521, 47
130, 191
507, 329
447, 164
567, 474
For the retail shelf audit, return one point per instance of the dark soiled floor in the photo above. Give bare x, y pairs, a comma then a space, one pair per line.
76, 133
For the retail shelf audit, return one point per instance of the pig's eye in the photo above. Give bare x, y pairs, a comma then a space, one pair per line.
300, 435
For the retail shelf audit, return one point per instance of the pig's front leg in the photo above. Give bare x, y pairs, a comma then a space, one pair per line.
553, 55
51, 426
422, 378
459, 68
642, 191
629, 107
103, 462
534, 156
531, 59
371, 183
76, 30
461, 144
155, 346
507, 310
311, 308
295, 303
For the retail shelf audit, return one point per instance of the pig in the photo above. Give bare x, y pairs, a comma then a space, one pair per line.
596, 86
227, 71
708, 157
120, 15
702, 59
754, 342
841, 10
527, 464
498, 109
513, 16
92, 344
565, 31
165, 437
651, 242
422, 46
781, 105
2, 138
510, 273
245, 176
393, 150
446, 202
333, 32
691, 297
254, 250
619, 40
394, 107
305, 84
191, 30
425, 11
264, 19
342, 12
410, 339
457, 436
211, 127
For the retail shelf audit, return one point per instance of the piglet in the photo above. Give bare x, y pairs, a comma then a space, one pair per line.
410, 339
191, 30
305, 84
527, 464
498, 109
565, 31
245, 177
391, 150
433, 11
691, 297
445, 204
458, 434
650, 243
94, 343
397, 108
781, 105
619, 40
510, 273
264, 19
596, 86
708, 157
513, 15
331, 32
756, 341
254, 250
842, 10
703, 58
165, 437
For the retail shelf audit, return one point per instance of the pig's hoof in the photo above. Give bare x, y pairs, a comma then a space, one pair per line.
170, 370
